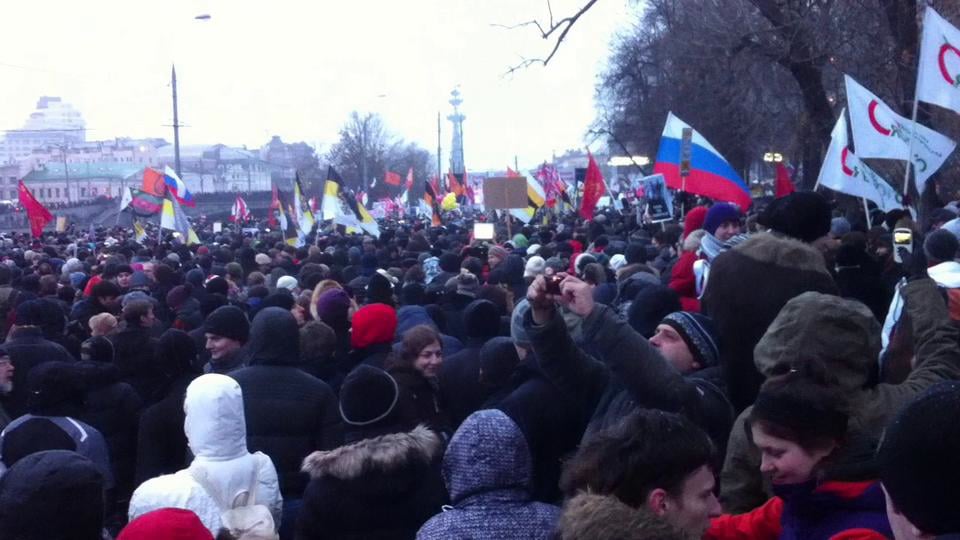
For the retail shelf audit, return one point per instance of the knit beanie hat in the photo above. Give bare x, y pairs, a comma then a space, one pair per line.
919, 460
803, 215
177, 296
262, 259
520, 241
166, 524
449, 262
555, 263
499, 252
618, 261
333, 306
719, 214
941, 245
498, 360
368, 395
140, 280
373, 324
229, 322
534, 267
699, 333
217, 285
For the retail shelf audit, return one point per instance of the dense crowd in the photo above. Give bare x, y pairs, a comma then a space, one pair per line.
786, 373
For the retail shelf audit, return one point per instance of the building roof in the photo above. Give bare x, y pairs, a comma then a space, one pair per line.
53, 171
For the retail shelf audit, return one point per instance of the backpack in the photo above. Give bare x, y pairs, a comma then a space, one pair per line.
242, 517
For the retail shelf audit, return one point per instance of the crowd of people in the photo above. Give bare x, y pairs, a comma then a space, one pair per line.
785, 373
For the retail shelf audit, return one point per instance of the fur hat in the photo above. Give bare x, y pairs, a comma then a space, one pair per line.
229, 322
803, 215
699, 333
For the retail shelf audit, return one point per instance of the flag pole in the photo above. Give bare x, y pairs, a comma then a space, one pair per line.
866, 210
913, 130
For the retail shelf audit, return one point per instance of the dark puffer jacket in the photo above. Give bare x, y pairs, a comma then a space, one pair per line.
27, 349
460, 373
381, 488
135, 352
113, 407
488, 473
289, 413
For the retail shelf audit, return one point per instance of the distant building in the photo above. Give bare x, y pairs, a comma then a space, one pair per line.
219, 168
54, 122
51, 183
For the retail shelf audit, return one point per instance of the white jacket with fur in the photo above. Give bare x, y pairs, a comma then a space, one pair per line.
217, 434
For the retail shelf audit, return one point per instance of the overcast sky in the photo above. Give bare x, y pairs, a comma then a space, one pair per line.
297, 68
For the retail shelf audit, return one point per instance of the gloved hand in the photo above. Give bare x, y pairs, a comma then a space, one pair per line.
914, 263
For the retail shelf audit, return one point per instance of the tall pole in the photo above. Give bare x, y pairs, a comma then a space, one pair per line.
176, 123
439, 166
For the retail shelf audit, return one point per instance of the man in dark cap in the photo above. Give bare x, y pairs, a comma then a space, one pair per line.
27, 348
226, 330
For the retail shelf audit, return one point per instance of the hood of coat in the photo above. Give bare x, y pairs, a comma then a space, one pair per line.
385, 453
215, 425
604, 517
53, 479
410, 316
481, 320
946, 274
274, 338
487, 453
842, 334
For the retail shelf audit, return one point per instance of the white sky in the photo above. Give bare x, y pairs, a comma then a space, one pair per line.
296, 68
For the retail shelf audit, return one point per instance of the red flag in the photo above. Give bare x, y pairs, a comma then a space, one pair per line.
153, 183
784, 185
512, 173
593, 189
274, 206
393, 179
36, 213
410, 179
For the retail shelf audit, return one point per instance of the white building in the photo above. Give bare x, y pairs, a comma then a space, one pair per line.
218, 168
54, 122
51, 183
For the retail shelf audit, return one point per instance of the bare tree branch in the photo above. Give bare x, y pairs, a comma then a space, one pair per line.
560, 27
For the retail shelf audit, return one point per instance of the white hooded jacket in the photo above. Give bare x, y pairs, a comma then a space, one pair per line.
945, 274
217, 435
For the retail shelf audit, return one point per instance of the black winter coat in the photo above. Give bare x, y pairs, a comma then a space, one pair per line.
27, 349
161, 442
382, 488
419, 401
134, 352
460, 383
113, 407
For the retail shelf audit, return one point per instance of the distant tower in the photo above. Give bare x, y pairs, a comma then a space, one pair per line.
456, 148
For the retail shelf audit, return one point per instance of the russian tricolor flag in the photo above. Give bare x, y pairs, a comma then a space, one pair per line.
177, 187
710, 174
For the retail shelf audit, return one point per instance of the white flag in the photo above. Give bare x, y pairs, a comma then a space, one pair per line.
844, 172
878, 132
126, 199
938, 76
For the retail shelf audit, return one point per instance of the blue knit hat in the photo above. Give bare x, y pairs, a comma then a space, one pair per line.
699, 333
718, 215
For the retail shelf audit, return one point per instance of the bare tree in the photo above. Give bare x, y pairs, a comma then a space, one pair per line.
552, 30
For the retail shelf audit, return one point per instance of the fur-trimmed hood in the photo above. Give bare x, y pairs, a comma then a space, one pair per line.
384, 453
602, 517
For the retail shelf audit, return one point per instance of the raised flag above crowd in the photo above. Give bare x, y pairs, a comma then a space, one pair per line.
708, 172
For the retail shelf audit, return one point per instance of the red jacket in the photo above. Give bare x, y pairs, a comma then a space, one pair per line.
684, 282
